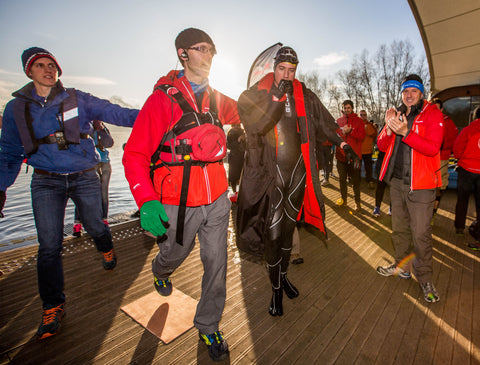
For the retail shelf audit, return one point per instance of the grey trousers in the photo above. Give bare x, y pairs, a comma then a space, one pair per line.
210, 222
412, 213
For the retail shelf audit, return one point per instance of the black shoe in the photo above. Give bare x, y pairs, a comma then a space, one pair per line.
109, 260
164, 287
51, 319
288, 287
276, 305
216, 344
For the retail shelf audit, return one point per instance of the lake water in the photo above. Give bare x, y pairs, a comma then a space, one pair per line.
18, 224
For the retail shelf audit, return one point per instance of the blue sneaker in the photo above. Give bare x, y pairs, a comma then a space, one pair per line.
376, 212
163, 287
216, 344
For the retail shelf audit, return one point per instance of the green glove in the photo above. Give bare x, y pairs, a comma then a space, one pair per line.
153, 218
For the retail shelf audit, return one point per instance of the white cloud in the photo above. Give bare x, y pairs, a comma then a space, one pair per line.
50, 36
87, 80
330, 59
9, 73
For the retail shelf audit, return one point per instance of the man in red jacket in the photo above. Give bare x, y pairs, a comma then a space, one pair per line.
171, 180
411, 141
352, 131
450, 132
466, 149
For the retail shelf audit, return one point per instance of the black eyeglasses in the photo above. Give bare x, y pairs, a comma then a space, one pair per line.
205, 49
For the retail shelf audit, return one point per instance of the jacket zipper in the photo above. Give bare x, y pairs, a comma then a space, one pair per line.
207, 184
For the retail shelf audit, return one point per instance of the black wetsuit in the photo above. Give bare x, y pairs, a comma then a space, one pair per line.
288, 195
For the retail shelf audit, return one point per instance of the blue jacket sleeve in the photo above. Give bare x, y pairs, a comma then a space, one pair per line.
102, 109
11, 150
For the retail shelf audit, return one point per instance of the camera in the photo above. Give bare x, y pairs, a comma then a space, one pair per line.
61, 140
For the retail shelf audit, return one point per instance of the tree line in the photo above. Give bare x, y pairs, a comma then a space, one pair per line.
372, 81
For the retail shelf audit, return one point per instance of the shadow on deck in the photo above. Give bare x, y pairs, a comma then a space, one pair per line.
346, 313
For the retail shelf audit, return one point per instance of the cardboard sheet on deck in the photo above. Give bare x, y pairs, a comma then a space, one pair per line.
165, 317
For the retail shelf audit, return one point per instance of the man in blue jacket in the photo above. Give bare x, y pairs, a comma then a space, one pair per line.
50, 126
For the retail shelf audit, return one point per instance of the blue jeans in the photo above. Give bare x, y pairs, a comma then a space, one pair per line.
49, 199
104, 170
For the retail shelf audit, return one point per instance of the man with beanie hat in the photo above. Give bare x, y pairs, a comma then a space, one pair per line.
411, 140
282, 119
181, 194
49, 126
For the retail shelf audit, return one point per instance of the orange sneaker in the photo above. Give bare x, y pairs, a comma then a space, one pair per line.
109, 260
51, 321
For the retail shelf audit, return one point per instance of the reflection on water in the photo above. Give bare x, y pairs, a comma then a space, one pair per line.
18, 222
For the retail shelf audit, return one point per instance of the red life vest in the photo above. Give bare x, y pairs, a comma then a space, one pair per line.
195, 139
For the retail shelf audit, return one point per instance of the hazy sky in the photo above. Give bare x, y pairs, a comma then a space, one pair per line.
120, 48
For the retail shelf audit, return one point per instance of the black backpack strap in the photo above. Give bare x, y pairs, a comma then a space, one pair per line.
69, 117
24, 121
182, 208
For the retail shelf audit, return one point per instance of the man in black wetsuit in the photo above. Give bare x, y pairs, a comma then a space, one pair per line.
282, 119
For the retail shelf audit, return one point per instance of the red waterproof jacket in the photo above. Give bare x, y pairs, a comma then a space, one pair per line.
467, 147
354, 138
450, 132
370, 135
159, 115
425, 138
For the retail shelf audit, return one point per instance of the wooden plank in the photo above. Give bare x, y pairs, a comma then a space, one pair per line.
346, 313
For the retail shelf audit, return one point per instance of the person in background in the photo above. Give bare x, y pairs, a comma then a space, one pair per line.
380, 186
325, 159
367, 147
352, 130
180, 191
296, 257
103, 140
236, 145
50, 126
450, 132
467, 150
411, 141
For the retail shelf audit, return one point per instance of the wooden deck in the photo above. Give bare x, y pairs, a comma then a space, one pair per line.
346, 313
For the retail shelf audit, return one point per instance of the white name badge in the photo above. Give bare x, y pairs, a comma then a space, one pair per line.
69, 114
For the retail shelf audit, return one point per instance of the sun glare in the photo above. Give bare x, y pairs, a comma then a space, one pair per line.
226, 78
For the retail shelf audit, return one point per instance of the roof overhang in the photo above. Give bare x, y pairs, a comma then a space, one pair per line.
450, 32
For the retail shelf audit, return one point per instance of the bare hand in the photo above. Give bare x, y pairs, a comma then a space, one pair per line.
346, 129
394, 122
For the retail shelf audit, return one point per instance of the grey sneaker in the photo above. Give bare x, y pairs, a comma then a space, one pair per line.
429, 292
393, 270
